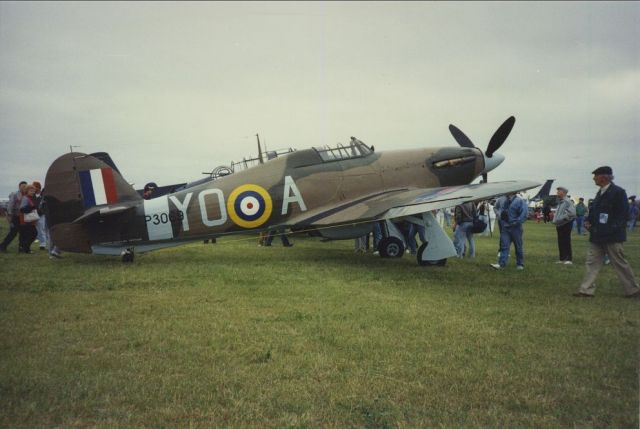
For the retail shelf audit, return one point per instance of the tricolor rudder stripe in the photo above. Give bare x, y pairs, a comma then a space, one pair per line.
98, 187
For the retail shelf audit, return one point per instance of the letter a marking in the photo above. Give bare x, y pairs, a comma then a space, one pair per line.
287, 197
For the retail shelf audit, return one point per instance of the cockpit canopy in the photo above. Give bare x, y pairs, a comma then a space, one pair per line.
355, 149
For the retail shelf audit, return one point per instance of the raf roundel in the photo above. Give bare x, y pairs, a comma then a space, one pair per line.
249, 206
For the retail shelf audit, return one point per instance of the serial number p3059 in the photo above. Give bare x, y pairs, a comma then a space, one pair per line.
159, 218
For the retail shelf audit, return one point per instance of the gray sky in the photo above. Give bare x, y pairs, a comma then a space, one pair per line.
174, 89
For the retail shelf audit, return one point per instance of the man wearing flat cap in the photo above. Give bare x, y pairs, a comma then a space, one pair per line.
606, 223
148, 190
563, 220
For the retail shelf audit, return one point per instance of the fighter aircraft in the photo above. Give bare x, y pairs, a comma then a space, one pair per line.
335, 192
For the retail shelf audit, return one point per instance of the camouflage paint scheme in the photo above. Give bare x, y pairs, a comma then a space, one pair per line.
299, 191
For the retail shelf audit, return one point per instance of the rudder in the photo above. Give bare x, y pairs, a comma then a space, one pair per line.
76, 182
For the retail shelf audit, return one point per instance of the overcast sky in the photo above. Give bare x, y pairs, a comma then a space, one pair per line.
174, 89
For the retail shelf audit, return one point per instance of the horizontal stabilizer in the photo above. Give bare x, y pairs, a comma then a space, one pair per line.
97, 212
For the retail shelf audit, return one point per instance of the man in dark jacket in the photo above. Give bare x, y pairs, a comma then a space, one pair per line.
463, 216
581, 211
606, 223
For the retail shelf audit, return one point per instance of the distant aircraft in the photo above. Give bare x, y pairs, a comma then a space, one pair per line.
334, 192
220, 171
543, 192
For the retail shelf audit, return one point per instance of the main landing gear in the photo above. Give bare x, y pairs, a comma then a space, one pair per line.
434, 252
391, 247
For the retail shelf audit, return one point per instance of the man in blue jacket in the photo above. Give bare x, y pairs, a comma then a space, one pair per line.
513, 214
606, 222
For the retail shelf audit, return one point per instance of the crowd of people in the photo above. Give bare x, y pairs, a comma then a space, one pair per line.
27, 221
608, 218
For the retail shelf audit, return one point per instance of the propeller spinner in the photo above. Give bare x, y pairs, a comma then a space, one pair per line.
491, 159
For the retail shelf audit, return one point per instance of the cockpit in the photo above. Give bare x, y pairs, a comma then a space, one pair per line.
355, 149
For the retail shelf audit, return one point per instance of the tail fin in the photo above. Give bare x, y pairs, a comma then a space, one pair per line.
544, 191
104, 157
76, 182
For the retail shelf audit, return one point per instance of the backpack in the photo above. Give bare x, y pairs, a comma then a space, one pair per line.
478, 225
504, 213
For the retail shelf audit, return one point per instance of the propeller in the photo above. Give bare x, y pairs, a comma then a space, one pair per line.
500, 136
497, 140
460, 137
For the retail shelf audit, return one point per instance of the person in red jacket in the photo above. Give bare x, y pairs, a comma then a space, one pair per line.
28, 231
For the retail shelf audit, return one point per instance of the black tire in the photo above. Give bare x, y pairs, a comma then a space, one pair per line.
391, 247
436, 263
127, 257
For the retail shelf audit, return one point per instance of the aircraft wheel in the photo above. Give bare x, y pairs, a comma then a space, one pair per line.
421, 250
127, 255
391, 247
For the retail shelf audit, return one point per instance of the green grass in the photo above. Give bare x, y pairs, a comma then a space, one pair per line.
235, 335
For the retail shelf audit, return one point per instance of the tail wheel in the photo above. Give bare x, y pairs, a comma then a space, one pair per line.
127, 255
391, 247
436, 263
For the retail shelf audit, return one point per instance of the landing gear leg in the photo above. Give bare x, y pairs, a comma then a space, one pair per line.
427, 262
438, 246
127, 255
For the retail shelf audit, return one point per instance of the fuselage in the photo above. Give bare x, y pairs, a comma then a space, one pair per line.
272, 193
279, 191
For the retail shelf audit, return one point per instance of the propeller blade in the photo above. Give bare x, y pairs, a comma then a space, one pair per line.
484, 178
460, 137
500, 136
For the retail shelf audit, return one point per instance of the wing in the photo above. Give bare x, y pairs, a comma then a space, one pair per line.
405, 202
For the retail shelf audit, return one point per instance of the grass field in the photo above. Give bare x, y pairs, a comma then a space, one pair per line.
236, 335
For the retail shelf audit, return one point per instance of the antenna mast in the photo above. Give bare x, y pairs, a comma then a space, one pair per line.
259, 150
